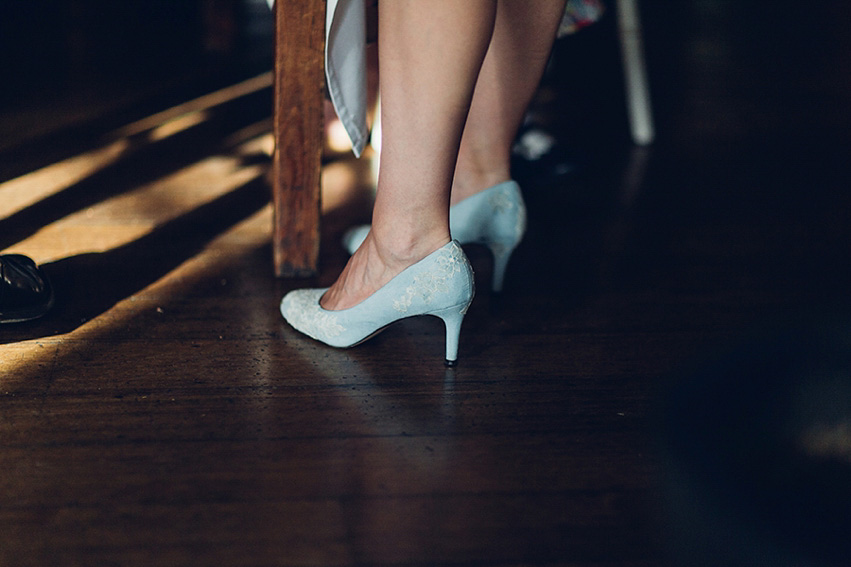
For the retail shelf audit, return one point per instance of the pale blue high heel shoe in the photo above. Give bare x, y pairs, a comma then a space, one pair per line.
495, 217
441, 284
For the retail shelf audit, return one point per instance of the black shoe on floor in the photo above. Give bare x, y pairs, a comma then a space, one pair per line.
25, 292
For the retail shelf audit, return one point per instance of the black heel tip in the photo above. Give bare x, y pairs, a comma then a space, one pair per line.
450, 363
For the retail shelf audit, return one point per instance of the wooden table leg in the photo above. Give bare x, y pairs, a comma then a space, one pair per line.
299, 96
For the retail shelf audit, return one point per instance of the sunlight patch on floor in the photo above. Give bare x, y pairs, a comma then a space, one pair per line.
122, 219
227, 249
27, 190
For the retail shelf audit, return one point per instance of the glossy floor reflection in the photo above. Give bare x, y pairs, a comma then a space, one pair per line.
164, 413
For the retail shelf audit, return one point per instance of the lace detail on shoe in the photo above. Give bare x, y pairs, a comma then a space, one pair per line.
305, 314
504, 201
428, 284
501, 201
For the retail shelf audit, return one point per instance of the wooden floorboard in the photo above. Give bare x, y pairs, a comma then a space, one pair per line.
164, 414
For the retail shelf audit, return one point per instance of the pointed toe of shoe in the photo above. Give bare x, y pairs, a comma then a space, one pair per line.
302, 311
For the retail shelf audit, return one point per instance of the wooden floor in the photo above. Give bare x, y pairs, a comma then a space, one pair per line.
164, 414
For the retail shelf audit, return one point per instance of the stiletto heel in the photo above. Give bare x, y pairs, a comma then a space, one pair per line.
440, 284
495, 217
452, 319
501, 255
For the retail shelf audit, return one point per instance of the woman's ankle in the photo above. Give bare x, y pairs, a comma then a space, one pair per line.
467, 184
374, 264
405, 247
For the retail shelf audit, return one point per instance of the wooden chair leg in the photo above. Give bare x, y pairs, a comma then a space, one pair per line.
299, 96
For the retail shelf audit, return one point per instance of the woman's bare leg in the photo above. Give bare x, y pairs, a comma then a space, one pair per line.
430, 54
523, 36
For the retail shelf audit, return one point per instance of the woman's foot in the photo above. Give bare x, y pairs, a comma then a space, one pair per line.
467, 184
441, 284
494, 217
373, 265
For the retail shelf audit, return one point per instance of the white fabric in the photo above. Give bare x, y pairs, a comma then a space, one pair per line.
345, 65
